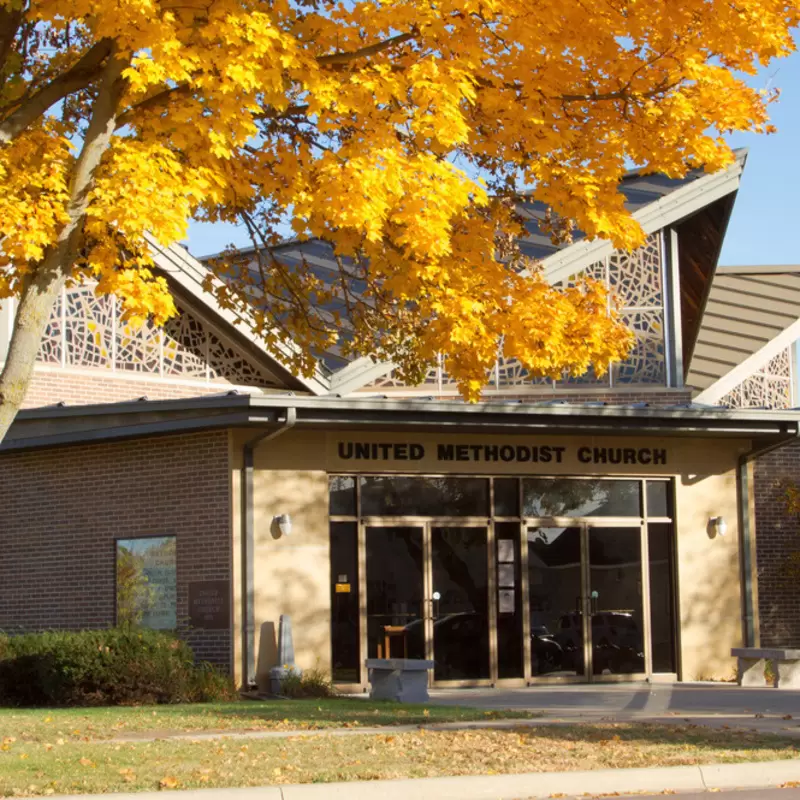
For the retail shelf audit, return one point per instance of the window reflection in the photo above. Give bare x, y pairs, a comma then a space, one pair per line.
562, 497
461, 613
397, 496
615, 568
554, 575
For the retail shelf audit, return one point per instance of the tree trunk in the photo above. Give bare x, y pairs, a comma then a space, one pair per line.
48, 278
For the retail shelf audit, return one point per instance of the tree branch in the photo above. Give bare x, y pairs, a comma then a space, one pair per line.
87, 69
339, 59
10, 21
154, 101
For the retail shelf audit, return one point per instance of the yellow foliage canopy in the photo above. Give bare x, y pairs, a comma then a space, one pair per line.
398, 131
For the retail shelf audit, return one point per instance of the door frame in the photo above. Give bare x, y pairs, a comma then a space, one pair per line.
586, 524
426, 524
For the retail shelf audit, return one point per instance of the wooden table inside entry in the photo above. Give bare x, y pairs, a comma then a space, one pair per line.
389, 631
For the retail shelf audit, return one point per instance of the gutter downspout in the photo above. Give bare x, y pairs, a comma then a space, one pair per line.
743, 502
248, 547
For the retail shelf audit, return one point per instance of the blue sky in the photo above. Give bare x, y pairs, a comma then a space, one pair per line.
767, 210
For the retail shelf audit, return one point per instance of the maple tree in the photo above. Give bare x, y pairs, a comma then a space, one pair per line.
398, 131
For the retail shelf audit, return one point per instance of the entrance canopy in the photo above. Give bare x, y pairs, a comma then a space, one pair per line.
62, 425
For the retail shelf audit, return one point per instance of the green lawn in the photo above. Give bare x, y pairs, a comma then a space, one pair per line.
29, 768
91, 724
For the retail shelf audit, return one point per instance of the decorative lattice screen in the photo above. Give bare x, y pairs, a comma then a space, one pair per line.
769, 387
86, 330
636, 280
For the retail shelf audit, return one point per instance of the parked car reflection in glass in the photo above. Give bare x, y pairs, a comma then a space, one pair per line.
617, 643
547, 655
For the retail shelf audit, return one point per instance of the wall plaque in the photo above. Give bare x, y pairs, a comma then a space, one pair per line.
210, 604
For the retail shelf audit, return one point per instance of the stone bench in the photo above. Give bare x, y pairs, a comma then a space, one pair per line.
404, 680
753, 660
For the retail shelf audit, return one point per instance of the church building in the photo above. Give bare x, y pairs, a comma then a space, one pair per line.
628, 527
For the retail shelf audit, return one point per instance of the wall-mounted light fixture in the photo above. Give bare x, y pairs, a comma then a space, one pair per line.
717, 526
283, 524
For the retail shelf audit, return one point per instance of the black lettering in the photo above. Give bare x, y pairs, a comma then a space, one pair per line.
445, 452
559, 451
584, 455
476, 451
362, 450
401, 452
507, 452
490, 452
645, 456
385, 449
345, 449
629, 455
545, 454
416, 452
523, 452
615, 455
462, 452
600, 455
659, 456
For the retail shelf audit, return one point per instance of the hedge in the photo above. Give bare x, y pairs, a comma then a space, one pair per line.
114, 666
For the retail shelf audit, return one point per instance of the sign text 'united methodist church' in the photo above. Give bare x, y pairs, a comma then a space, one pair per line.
508, 453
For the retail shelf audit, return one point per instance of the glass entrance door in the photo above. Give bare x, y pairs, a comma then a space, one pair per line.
460, 603
556, 591
395, 582
427, 589
615, 598
585, 589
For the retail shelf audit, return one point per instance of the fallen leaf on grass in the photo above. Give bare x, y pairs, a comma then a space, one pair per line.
86, 762
169, 782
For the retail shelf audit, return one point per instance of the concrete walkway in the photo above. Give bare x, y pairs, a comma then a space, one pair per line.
716, 705
513, 787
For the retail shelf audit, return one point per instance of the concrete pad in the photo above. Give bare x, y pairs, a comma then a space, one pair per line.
500, 787
751, 775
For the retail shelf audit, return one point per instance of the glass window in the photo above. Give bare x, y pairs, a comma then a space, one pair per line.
554, 577
460, 583
662, 588
393, 496
395, 607
146, 582
562, 497
506, 497
615, 575
509, 600
342, 500
658, 499
345, 636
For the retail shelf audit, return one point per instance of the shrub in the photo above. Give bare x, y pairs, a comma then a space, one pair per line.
117, 666
312, 683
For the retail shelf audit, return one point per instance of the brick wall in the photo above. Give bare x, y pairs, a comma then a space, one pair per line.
73, 388
62, 509
777, 539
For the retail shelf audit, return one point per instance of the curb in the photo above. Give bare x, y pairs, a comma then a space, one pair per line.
700, 778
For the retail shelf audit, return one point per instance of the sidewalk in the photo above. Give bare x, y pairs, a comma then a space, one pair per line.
530, 785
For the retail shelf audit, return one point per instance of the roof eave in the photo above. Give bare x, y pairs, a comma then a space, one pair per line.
58, 426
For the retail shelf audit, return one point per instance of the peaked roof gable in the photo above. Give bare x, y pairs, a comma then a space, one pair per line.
187, 274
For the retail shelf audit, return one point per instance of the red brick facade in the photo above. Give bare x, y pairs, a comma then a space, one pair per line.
52, 386
777, 548
61, 511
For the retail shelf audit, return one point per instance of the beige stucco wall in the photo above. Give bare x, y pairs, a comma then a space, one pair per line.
292, 573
